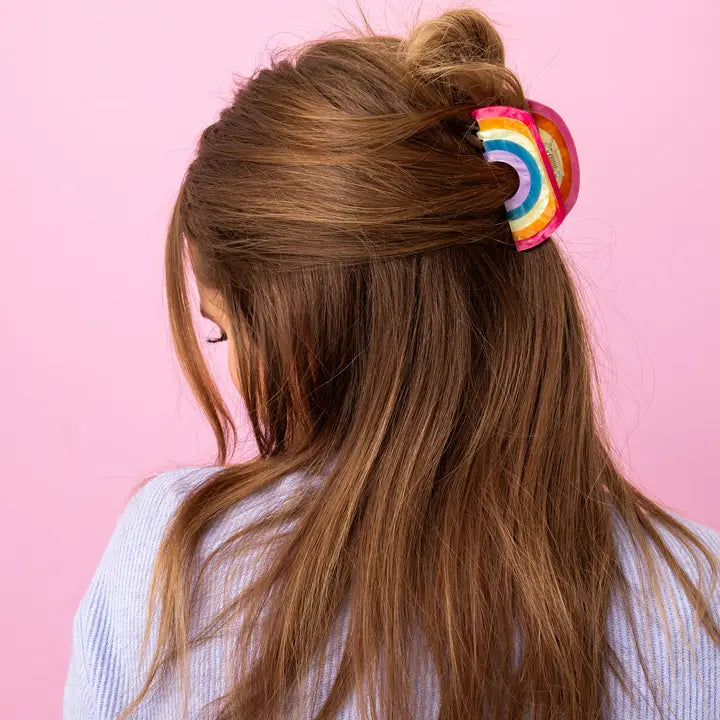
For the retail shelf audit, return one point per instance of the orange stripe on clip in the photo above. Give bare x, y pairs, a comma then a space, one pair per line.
547, 215
506, 123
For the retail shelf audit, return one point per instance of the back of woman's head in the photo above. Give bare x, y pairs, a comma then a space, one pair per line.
385, 321
342, 208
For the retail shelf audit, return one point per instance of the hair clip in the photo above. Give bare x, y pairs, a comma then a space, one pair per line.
538, 145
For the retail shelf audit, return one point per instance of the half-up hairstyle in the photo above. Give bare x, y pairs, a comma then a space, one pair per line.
396, 340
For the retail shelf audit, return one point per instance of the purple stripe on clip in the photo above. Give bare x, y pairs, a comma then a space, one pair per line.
524, 188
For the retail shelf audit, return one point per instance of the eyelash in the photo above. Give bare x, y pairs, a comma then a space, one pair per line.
222, 338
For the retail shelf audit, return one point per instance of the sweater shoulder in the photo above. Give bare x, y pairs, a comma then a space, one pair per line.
669, 659
109, 622
140, 527
138, 532
684, 555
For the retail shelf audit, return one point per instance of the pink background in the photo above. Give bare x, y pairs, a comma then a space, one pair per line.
102, 105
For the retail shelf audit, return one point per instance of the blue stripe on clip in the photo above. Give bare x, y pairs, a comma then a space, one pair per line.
535, 176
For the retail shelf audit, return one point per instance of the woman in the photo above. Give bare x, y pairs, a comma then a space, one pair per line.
435, 525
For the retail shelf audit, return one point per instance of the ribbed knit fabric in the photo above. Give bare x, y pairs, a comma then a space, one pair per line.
103, 670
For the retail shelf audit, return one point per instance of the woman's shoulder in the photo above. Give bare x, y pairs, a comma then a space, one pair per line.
151, 506
110, 618
140, 526
670, 660
138, 532
683, 555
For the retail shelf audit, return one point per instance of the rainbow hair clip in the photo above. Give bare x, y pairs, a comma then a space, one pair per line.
538, 145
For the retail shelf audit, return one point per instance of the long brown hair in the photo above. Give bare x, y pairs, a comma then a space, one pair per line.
397, 341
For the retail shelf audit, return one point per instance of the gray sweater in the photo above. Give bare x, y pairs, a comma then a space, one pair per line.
103, 669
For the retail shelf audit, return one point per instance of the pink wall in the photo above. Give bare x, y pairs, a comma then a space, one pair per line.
102, 105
